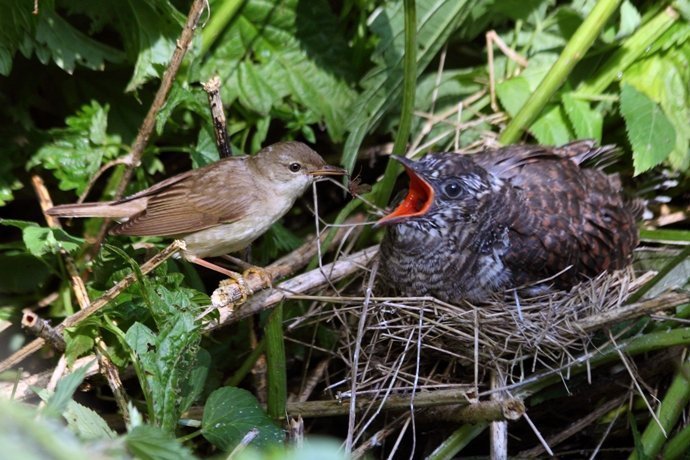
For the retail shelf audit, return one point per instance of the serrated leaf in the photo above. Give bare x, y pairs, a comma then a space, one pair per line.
230, 413
629, 19
40, 241
664, 79
288, 52
551, 128
513, 93
587, 123
59, 41
147, 442
79, 149
166, 360
57, 403
650, 133
27, 437
86, 423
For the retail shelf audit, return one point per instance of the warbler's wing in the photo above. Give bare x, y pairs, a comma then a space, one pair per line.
193, 201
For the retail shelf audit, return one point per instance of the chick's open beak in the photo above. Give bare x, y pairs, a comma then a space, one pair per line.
420, 196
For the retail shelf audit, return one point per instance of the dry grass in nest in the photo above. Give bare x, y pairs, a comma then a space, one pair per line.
410, 344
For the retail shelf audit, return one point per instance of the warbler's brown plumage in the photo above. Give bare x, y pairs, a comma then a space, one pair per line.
472, 225
219, 208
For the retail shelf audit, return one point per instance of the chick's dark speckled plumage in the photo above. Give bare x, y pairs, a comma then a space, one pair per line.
473, 225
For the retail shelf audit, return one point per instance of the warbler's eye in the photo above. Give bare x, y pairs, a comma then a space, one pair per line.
452, 189
294, 167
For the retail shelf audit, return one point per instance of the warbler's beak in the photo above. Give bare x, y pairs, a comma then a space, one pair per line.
420, 196
328, 170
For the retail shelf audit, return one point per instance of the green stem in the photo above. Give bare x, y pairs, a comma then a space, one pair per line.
275, 362
571, 55
457, 441
669, 411
385, 188
642, 344
682, 255
247, 365
677, 446
629, 52
222, 16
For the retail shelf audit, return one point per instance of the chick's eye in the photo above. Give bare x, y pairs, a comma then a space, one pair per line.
452, 189
294, 167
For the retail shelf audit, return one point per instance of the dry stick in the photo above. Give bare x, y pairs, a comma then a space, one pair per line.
161, 95
97, 304
448, 405
661, 302
499, 429
301, 283
46, 202
575, 427
212, 88
41, 328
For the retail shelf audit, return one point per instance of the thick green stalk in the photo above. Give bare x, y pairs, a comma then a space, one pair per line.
641, 344
275, 363
669, 411
677, 260
409, 86
630, 51
572, 54
222, 15
677, 446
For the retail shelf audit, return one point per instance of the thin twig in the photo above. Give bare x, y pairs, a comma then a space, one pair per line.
149, 122
212, 88
97, 304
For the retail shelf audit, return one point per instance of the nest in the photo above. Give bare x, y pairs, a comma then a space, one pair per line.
401, 345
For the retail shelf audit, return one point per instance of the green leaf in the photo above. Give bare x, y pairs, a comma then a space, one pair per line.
437, 20
651, 134
27, 437
587, 123
166, 361
629, 19
666, 80
80, 339
79, 150
230, 413
59, 41
552, 127
64, 391
86, 423
147, 442
40, 241
273, 53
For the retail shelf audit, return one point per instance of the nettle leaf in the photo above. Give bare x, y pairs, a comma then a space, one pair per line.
79, 149
230, 413
552, 128
86, 423
651, 134
40, 241
59, 41
147, 442
665, 80
167, 359
586, 123
58, 401
16, 22
286, 51
629, 19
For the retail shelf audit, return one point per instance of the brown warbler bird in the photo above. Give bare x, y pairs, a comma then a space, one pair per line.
219, 208
474, 225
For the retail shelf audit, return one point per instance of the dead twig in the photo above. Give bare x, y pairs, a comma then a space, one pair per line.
97, 304
212, 88
149, 122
